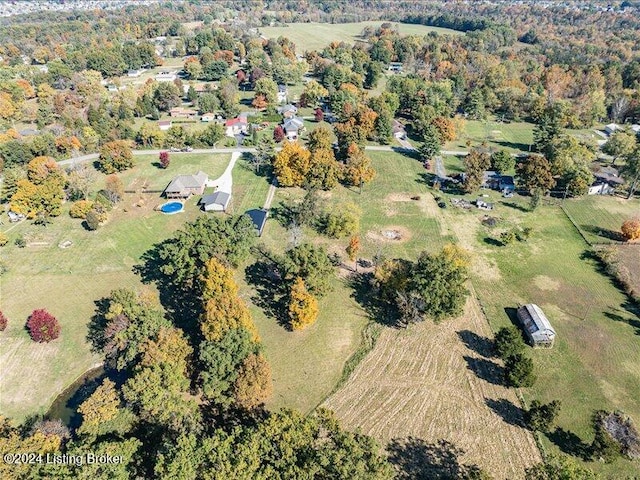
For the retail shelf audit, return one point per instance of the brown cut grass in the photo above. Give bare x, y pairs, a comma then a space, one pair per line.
440, 382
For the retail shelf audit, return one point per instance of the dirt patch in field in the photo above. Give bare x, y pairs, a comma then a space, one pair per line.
440, 382
545, 283
629, 258
390, 233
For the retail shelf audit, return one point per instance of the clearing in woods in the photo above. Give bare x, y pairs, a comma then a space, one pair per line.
439, 382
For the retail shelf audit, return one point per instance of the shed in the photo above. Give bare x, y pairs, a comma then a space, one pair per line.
612, 128
215, 202
536, 325
259, 218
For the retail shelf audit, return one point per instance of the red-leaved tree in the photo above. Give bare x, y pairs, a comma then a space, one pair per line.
319, 115
3, 321
278, 133
164, 159
43, 327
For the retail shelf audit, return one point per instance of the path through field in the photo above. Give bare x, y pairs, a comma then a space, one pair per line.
440, 382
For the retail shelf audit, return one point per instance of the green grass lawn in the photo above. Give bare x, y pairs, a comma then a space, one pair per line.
68, 281
595, 363
600, 217
315, 36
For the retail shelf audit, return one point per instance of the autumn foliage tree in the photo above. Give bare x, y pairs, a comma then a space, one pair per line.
631, 229
3, 321
292, 165
278, 133
303, 306
115, 156
359, 170
42, 192
164, 159
253, 385
43, 327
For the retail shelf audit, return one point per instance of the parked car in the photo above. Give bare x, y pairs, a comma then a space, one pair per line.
187, 149
174, 149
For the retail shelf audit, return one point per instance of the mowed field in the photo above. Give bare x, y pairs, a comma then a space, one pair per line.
595, 363
438, 382
316, 36
68, 281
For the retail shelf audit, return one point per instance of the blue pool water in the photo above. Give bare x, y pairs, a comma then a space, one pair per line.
171, 207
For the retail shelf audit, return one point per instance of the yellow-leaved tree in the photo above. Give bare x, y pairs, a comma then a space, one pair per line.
292, 164
224, 310
303, 306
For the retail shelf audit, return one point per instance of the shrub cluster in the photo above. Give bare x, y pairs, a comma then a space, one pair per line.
43, 327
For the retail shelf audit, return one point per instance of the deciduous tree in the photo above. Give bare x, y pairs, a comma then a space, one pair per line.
115, 156
620, 145
540, 417
502, 161
475, 164
3, 321
253, 385
534, 174
359, 170
292, 164
43, 327
631, 229
164, 159
324, 170
303, 306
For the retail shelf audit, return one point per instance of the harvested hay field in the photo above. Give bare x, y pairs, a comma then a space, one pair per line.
440, 383
629, 257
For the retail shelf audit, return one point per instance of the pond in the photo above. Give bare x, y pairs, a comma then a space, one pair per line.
66, 404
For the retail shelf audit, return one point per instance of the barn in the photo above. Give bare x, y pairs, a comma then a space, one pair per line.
536, 325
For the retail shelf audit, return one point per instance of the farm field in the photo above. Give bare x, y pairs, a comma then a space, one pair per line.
315, 36
68, 281
595, 362
438, 382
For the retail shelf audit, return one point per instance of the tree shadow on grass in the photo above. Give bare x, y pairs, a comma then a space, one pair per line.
523, 147
516, 206
486, 370
266, 281
369, 300
632, 322
510, 413
570, 443
416, 459
493, 242
481, 345
603, 232
512, 314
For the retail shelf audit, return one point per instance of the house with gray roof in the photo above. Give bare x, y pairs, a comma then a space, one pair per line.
183, 186
536, 325
292, 126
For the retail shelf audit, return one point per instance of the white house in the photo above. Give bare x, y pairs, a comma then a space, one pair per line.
282, 93
635, 129
166, 76
208, 117
292, 126
236, 126
600, 187
135, 73
164, 125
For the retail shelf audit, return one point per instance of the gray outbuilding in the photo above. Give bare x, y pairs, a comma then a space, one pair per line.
536, 325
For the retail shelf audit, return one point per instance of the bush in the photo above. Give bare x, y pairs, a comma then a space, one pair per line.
3, 239
80, 208
519, 371
95, 217
3, 321
540, 417
42, 326
164, 159
343, 221
508, 342
20, 242
631, 229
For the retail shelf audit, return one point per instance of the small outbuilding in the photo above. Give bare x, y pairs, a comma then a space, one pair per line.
612, 128
259, 218
536, 325
215, 202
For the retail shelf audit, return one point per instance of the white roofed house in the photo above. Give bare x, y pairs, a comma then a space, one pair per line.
536, 325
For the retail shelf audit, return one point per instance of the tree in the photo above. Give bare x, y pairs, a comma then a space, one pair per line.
549, 127
358, 170
208, 103
353, 248
103, 412
42, 193
430, 146
212, 134
229, 97
343, 220
439, 280
166, 96
446, 129
43, 327
631, 229
268, 89
291, 165
303, 307
502, 161
534, 174
115, 156
631, 170
278, 133
114, 189
310, 263
12, 176
80, 181
540, 417
620, 145
259, 102
94, 218
475, 164
164, 159
519, 371
324, 171
214, 70
253, 385
3, 321
318, 115
557, 467
320, 138
80, 209
508, 342
312, 93
604, 447
578, 180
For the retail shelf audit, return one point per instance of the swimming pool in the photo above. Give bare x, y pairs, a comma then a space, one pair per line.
172, 207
